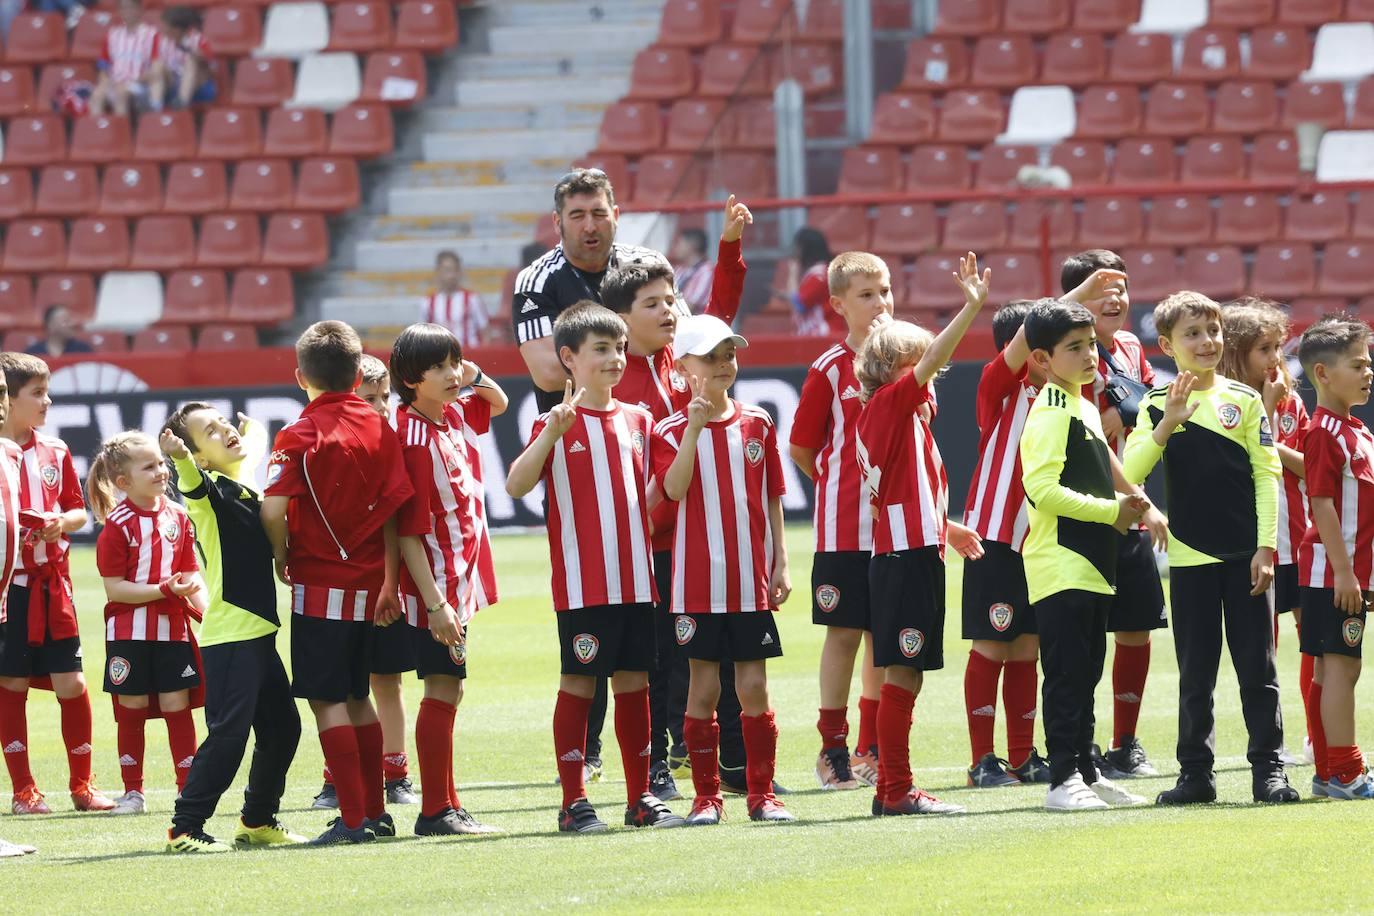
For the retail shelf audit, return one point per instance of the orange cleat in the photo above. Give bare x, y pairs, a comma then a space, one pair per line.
87, 797
29, 801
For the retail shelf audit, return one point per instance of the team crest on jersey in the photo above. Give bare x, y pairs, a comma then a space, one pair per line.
637, 440
753, 450
827, 598
1000, 616
1288, 423
1352, 631
684, 628
459, 653
585, 646
1229, 415
677, 381
171, 531
49, 475
911, 641
119, 670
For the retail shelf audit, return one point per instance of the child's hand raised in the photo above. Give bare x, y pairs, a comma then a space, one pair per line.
1177, 410
172, 445
737, 216
562, 417
1103, 287
470, 373
975, 288
699, 408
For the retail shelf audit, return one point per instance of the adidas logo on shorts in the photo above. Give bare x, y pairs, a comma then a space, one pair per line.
984, 711
81, 750
572, 756
189, 672
767, 639
126, 761
15, 747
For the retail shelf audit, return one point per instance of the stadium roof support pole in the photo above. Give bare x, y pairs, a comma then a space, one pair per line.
925, 12
858, 69
790, 140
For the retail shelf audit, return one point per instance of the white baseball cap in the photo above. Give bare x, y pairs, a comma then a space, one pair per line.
698, 335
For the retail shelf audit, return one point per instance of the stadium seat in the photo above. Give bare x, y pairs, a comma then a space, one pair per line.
1037, 17
968, 17
905, 230
1284, 271
20, 341
16, 193
360, 25
108, 341
939, 167
229, 240
1305, 310
175, 338
364, 131
130, 189
1323, 103
233, 31
165, 136
971, 116
1362, 225
935, 63
229, 133
1216, 272
1003, 61
332, 80
328, 184
52, 76
163, 242
1210, 55
1154, 272
930, 286
1141, 58
1278, 53
1359, 10
1345, 155
739, 169
817, 68
1309, 12
1109, 111
694, 123
1027, 221
1345, 269
1018, 275
16, 90
36, 38
662, 74
195, 296
75, 291
34, 245
1362, 116
1248, 219
1074, 59
220, 337
630, 128
998, 164
870, 170
1145, 160
975, 225
764, 22
846, 228
1316, 218
731, 70
17, 306
691, 23
663, 177
617, 169
35, 140
294, 30
1177, 110
749, 125
903, 118
261, 185
394, 77
1344, 51
261, 296
1241, 14
1184, 219
1084, 160
1246, 107
1174, 16
1105, 15
88, 38
1112, 222
196, 187
428, 26
1212, 159
98, 244
101, 138
295, 132
66, 190
1040, 115
1274, 157
264, 82
825, 20
296, 240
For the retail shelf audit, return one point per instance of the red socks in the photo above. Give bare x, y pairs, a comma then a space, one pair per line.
395, 766
1345, 763
14, 737
1019, 695
340, 746
570, 743
1129, 670
1306, 669
833, 725
1316, 731
130, 744
76, 735
370, 768
894, 736
868, 726
434, 748
181, 735
980, 702
761, 749
632, 732
702, 737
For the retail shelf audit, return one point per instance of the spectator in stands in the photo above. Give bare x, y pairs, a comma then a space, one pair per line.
808, 289
60, 330
184, 69
694, 270
127, 76
454, 306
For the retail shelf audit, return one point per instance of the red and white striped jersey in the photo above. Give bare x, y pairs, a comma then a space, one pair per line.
47, 484
997, 497
1338, 458
146, 546
462, 312
129, 52
902, 469
595, 478
9, 517
1129, 354
475, 414
175, 54
1290, 429
827, 420
723, 543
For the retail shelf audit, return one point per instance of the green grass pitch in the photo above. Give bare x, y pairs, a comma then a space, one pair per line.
1006, 853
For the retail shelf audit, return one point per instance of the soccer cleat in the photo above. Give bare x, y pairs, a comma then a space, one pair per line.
1361, 787
15, 850
649, 811
339, 833
770, 809
467, 824
1320, 788
591, 770
328, 797
131, 802
383, 826
272, 834
1103, 765
917, 801
1190, 790
832, 769
29, 801
865, 766
1073, 794
1129, 760
1113, 794
706, 812
195, 842
580, 817
988, 773
1034, 769
401, 792
679, 762
1273, 788
87, 797
662, 784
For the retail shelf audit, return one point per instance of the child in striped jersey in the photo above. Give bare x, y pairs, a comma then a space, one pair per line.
9, 545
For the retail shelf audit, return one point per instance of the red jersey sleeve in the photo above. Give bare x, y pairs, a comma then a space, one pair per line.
727, 282
813, 411
814, 290
777, 485
70, 498
908, 394
476, 414
535, 430
662, 452
284, 477
187, 561
110, 552
997, 384
414, 517
1147, 369
104, 59
1323, 464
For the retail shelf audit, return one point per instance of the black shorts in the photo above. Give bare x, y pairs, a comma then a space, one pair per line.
1287, 595
393, 652
18, 658
907, 593
839, 589
331, 660
995, 604
1327, 630
1139, 601
139, 667
434, 657
748, 637
598, 641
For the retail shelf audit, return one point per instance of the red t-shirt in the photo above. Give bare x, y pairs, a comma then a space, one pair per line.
47, 484
997, 497
827, 420
903, 469
146, 546
1338, 459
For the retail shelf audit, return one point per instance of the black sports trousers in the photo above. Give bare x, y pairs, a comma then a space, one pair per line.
1073, 644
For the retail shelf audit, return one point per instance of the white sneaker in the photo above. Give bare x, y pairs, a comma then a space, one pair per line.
1307, 753
1113, 794
130, 803
1073, 795
10, 850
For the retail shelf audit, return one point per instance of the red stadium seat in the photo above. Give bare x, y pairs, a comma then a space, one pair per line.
364, 131
730, 70
1274, 157
1307, 310
195, 296
16, 91
16, 193
1241, 14
662, 74
1344, 271
20, 341
1018, 275
905, 230
617, 169
968, 17
130, 189
196, 187
747, 171
971, 116
825, 20
261, 185
108, 341
1177, 110
763, 22
17, 306
229, 240
1248, 219
34, 245
870, 170
904, 118
384, 70
1210, 55
52, 76
230, 133
163, 243
975, 225
233, 31
36, 38
1153, 272
174, 338
429, 26
1109, 111
35, 140
360, 25
999, 164
296, 240
1027, 223
295, 132
1074, 59
1278, 53
1216, 272
262, 82
1112, 222
939, 167
66, 190
631, 128
1084, 160
1359, 11
1212, 159
1312, 13
1184, 219
691, 23
846, 228
165, 136
1004, 61
1037, 17
1105, 15
1362, 225
1246, 107
749, 124
935, 63
88, 38
931, 286
261, 296
75, 291
1141, 57
669, 176
1145, 160
1323, 103
220, 337
98, 243
817, 68
1318, 218
693, 123
329, 184
1362, 118
101, 138
1284, 271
